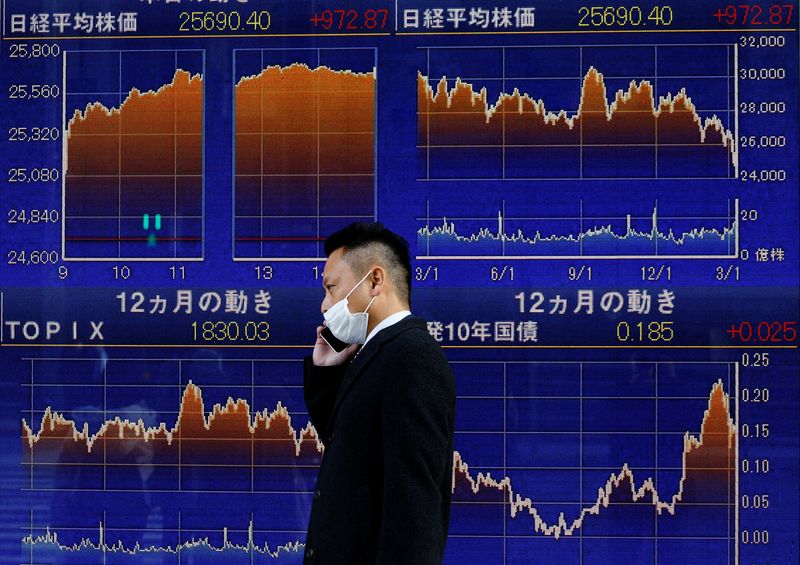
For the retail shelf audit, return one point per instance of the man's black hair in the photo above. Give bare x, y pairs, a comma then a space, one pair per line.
378, 244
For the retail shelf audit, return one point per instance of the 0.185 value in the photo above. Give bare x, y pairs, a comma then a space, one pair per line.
646, 332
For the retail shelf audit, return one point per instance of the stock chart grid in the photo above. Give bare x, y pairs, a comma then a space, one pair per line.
601, 209
542, 464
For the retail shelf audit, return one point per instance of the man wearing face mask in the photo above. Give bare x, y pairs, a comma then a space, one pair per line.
383, 406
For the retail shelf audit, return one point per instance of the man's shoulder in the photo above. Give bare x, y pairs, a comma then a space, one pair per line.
415, 356
411, 329
412, 343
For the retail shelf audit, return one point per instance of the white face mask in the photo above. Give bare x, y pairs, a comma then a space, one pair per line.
346, 326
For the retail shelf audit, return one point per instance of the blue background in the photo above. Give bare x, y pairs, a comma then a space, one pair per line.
559, 469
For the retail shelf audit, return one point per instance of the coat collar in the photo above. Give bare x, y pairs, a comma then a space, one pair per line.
370, 349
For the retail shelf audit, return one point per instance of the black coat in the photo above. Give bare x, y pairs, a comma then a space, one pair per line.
385, 481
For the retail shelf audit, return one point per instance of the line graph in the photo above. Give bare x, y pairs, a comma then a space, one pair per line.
44, 544
540, 464
569, 112
188, 443
582, 235
133, 150
677, 491
708, 471
229, 435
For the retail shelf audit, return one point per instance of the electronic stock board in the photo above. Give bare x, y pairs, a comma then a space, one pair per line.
601, 203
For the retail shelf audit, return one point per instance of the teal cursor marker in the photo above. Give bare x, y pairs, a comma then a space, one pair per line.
151, 239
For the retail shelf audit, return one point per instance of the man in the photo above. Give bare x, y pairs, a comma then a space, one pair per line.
384, 411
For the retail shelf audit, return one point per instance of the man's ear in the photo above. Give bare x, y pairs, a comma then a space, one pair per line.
378, 279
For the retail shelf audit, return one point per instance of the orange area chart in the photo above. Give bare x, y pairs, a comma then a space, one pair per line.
707, 483
305, 157
627, 133
228, 435
143, 157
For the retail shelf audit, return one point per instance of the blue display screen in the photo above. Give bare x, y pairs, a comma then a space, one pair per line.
602, 208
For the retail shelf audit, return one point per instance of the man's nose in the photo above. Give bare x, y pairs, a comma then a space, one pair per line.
325, 305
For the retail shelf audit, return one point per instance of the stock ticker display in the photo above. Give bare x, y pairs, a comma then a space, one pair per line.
601, 202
